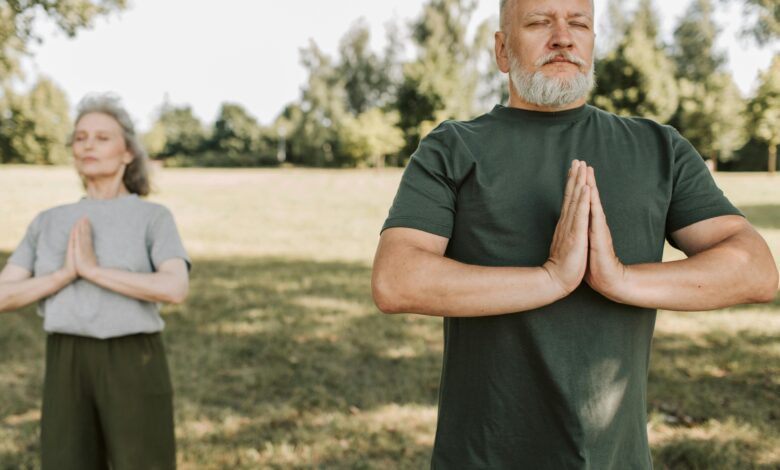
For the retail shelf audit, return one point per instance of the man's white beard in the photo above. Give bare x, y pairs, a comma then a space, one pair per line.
554, 92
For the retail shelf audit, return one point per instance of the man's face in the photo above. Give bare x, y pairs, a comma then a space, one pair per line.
548, 43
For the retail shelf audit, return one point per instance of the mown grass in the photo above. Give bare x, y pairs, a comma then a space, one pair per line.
280, 360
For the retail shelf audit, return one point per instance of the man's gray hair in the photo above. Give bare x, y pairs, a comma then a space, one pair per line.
506, 5
136, 177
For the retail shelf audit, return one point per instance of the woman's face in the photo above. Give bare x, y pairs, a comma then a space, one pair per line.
99, 148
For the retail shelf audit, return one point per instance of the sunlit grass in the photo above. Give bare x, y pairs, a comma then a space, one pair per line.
280, 360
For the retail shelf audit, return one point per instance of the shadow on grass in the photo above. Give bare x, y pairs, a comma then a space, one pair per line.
763, 215
710, 454
281, 363
276, 363
701, 383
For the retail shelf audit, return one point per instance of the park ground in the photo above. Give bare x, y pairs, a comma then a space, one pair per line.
279, 358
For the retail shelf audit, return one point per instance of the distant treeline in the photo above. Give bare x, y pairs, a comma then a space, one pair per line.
368, 108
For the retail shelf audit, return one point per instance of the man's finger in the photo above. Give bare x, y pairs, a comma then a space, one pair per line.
582, 216
599, 230
581, 179
568, 193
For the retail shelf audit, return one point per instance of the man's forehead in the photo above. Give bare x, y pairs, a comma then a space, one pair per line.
554, 7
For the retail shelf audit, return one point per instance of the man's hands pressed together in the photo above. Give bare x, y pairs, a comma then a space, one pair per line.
582, 244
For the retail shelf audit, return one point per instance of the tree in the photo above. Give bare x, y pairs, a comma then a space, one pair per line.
615, 27
441, 82
177, 131
637, 78
237, 136
35, 126
765, 111
363, 72
492, 87
314, 139
712, 115
694, 51
763, 20
711, 111
371, 136
18, 20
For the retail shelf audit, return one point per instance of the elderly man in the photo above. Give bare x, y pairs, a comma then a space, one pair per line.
537, 231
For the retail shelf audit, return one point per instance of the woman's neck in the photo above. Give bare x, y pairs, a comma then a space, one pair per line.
105, 188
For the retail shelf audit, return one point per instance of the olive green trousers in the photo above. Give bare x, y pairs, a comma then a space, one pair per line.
107, 404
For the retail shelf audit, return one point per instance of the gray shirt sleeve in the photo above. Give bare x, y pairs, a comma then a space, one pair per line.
163, 240
24, 255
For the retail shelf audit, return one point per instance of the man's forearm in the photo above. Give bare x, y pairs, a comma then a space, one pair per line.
730, 273
421, 282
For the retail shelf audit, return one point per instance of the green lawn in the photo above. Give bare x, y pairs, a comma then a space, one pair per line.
280, 360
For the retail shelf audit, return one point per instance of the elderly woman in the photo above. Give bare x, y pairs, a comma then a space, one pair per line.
98, 268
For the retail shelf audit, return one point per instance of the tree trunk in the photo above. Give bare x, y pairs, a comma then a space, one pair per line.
772, 164
714, 160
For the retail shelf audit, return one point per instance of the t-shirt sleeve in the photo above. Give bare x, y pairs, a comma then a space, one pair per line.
427, 193
164, 240
24, 255
695, 196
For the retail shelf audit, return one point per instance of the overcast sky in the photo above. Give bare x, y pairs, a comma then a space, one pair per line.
204, 52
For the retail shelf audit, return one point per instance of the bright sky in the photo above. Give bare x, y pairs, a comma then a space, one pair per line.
204, 53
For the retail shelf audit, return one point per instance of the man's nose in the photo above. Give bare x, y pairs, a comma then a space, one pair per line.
561, 36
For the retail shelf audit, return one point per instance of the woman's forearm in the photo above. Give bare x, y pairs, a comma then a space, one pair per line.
16, 294
169, 286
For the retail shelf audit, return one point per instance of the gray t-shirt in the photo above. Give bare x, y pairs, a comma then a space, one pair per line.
128, 234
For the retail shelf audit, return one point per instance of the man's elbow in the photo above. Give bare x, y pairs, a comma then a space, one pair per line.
385, 293
767, 292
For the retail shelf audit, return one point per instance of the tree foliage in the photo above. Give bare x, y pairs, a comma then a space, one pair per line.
712, 116
441, 82
637, 78
694, 51
18, 20
237, 137
177, 131
711, 110
764, 111
314, 137
363, 72
763, 20
371, 136
35, 126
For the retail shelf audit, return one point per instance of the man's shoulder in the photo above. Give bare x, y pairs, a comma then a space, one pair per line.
634, 124
450, 127
637, 123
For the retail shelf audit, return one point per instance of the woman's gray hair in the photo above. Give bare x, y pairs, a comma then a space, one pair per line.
136, 177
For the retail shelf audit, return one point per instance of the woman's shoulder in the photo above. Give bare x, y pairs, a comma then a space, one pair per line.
57, 211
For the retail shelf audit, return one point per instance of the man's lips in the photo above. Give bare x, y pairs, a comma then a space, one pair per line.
559, 60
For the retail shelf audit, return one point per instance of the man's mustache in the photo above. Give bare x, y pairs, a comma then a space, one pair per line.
547, 58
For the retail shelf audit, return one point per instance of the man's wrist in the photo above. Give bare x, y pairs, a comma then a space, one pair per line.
556, 287
621, 289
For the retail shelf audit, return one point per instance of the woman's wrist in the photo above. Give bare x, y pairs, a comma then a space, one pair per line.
64, 276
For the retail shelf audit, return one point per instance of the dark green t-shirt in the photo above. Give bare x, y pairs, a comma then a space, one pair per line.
563, 386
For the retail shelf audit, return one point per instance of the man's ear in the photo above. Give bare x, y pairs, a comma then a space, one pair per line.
502, 52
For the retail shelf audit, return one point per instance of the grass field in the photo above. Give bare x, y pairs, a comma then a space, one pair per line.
280, 360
